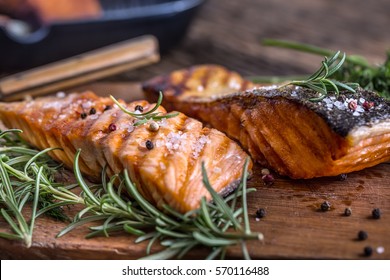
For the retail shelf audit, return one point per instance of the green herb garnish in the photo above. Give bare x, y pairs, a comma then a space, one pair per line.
27, 175
215, 225
320, 81
355, 69
147, 116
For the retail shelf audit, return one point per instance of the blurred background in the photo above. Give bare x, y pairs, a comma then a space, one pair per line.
194, 31
230, 33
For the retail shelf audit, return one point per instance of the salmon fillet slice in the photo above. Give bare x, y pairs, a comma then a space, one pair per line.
279, 126
168, 172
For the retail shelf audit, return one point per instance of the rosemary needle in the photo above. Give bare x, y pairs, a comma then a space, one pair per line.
147, 116
320, 82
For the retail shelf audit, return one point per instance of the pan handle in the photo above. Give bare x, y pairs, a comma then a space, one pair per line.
107, 61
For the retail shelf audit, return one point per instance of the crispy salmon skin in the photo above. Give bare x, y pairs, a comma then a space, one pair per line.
166, 170
279, 126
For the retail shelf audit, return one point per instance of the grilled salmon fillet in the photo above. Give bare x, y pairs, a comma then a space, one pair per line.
167, 170
195, 83
279, 126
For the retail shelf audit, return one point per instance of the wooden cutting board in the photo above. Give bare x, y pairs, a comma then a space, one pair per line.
294, 227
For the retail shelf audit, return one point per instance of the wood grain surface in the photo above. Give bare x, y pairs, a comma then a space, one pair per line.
294, 226
229, 33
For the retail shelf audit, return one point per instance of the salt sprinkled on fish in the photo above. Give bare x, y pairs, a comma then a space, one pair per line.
160, 176
282, 127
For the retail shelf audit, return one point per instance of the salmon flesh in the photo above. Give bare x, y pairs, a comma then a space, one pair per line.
279, 126
167, 170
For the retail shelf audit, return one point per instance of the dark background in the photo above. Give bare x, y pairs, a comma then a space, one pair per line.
229, 33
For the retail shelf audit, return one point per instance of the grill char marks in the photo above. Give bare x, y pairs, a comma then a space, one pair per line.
276, 137
200, 81
170, 173
281, 128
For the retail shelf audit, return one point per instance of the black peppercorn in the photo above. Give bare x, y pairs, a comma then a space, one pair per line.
92, 111
343, 177
376, 213
260, 213
347, 212
139, 108
325, 206
83, 115
149, 144
362, 235
368, 251
108, 107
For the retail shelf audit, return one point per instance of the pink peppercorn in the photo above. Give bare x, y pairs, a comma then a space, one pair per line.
112, 127
268, 179
352, 105
367, 105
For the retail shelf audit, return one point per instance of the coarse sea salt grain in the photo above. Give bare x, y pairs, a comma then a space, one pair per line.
169, 146
271, 87
175, 140
234, 84
86, 105
339, 105
94, 117
356, 114
60, 94
198, 145
380, 250
217, 170
360, 109
126, 126
163, 122
130, 128
330, 104
159, 143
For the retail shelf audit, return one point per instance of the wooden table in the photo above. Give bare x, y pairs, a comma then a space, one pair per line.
229, 33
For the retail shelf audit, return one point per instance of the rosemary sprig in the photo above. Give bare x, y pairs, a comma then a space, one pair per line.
355, 59
320, 82
216, 226
147, 116
26, 175
356, 69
